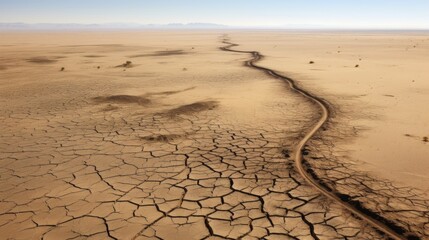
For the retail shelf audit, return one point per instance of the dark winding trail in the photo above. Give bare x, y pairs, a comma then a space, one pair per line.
324, 107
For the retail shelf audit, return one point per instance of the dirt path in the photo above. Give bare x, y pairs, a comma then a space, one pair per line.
324, 107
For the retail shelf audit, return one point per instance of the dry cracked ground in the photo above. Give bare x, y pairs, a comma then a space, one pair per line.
181, 142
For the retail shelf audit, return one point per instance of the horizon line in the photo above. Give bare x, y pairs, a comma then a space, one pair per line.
190, 25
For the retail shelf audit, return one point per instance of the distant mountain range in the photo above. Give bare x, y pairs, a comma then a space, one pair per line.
71, 26
137, 26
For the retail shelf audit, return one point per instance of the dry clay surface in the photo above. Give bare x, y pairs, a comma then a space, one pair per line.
181, 142
361, 117
377, 83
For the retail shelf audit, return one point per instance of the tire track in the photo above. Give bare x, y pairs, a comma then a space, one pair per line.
324, 107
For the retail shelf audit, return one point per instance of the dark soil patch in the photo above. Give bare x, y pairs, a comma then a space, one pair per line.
42, 60
172, 92
94, 56
161, 138
127, 64
161, 53
193, 108
123, 99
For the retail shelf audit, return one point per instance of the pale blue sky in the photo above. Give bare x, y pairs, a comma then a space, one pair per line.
329, 13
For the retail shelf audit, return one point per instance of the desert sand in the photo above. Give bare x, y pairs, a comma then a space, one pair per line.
162, 134
380, 77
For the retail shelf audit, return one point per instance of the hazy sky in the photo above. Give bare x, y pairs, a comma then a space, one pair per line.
330, 13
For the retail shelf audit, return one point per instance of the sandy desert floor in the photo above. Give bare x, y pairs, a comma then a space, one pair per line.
378, 81
143, 135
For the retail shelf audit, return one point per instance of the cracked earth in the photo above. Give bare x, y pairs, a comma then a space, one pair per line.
182, 144
404, 209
